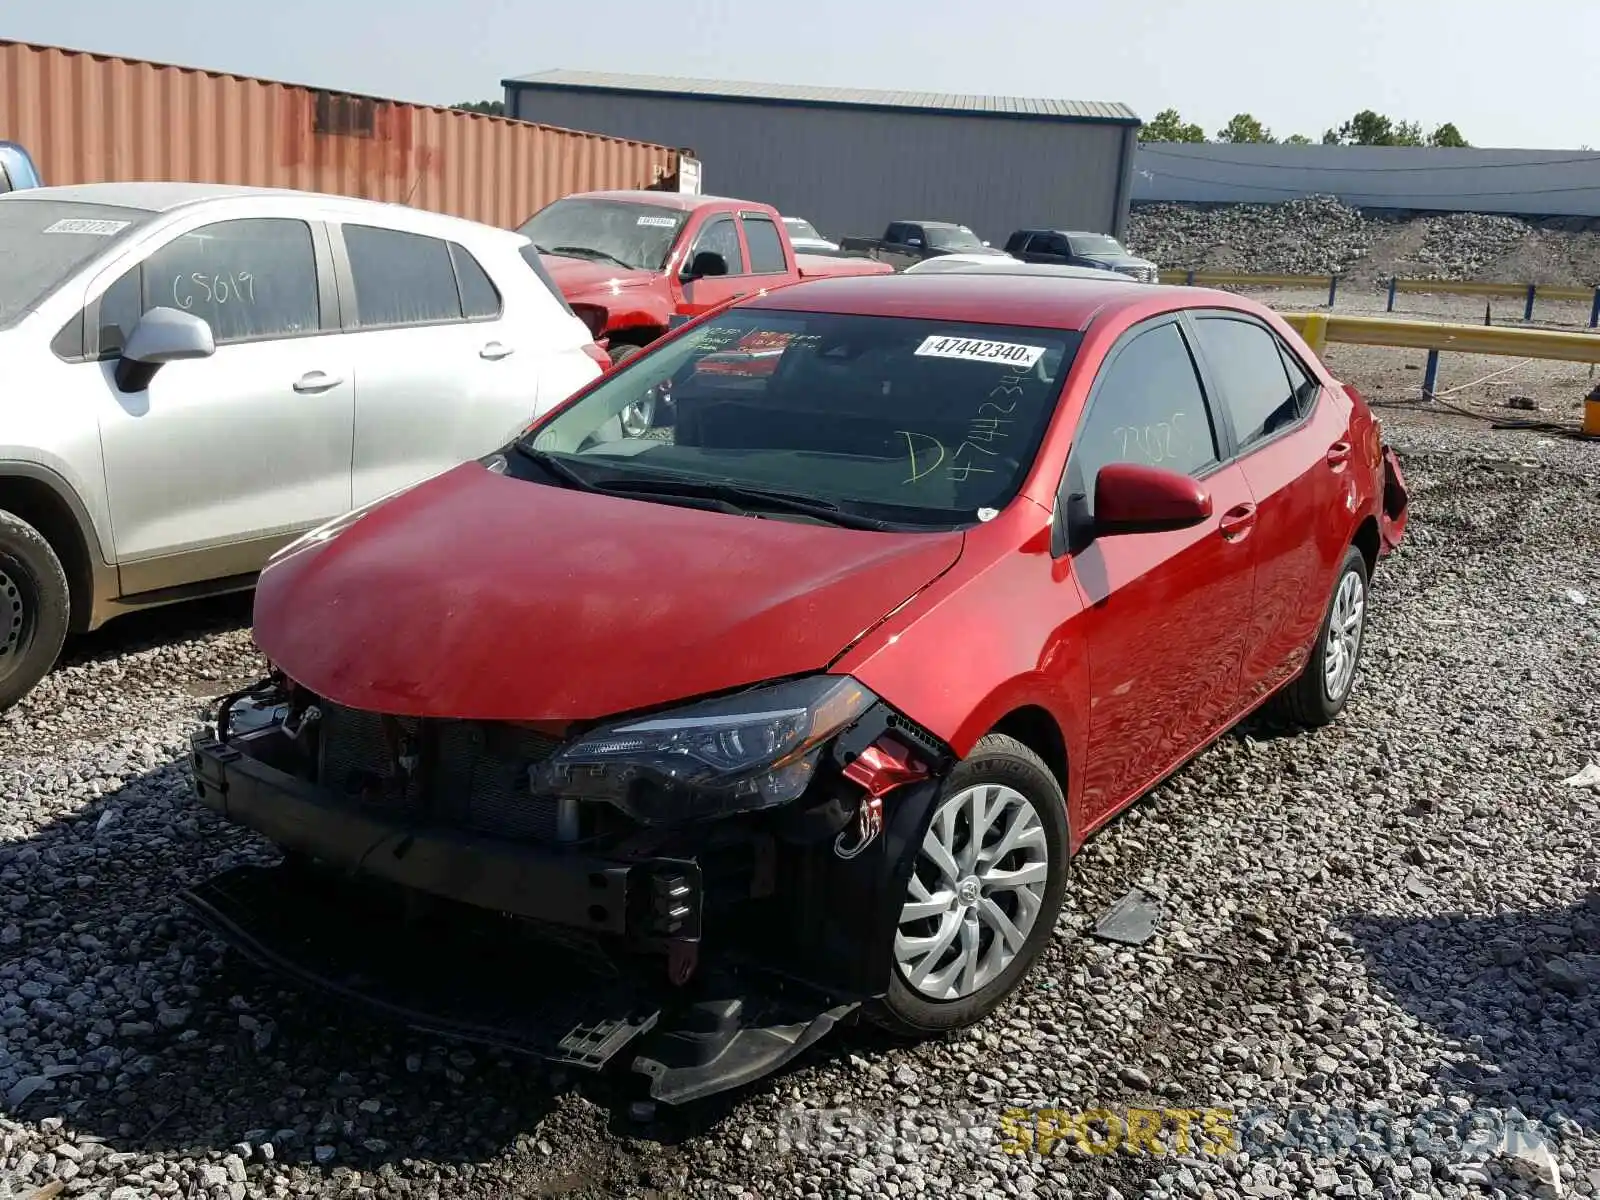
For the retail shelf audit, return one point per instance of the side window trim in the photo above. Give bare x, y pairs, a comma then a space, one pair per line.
1236, 452
327, 296
1118, 349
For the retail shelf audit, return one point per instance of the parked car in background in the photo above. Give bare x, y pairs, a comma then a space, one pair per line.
196, 375
803, 711
1080, 249
906, 242
630, 261
805, 238
17, 168
986, 264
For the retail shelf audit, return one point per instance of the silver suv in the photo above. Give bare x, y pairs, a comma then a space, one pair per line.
196, 375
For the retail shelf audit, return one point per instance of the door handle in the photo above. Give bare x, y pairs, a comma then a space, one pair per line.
316, 381
1338, 454
1237, 522
495, 351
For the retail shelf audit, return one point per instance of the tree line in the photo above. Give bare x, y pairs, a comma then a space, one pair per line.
1366, 128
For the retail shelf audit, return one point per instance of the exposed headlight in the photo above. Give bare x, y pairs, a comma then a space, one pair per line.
755, 750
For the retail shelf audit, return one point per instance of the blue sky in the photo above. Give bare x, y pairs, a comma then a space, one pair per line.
1507, 75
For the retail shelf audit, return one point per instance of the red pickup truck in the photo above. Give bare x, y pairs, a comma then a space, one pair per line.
629, 261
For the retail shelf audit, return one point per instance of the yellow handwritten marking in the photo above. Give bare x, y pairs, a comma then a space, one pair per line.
1218, 1126
1144, 1125
1114, 1131
1016, 1130
1183, 1118
911, 453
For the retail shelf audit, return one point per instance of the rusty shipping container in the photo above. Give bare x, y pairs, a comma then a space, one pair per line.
92, 117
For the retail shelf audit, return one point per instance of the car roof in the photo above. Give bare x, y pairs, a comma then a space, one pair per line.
157, 197
961, 264
1045, 301
683, 201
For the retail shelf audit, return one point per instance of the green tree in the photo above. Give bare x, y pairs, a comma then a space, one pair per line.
1244, 128
1297, 139
1369, 128
1447, 135
1407, 133
489, 108
1170, 127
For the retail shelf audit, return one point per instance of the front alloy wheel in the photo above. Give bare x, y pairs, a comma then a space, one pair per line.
985, 889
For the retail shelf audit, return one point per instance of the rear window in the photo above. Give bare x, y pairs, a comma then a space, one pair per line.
929, 423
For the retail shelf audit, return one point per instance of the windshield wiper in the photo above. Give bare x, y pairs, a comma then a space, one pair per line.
591, 252
750, 497
553, 464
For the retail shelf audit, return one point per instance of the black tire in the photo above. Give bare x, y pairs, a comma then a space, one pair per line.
1306, 701
35, 605
906, 1012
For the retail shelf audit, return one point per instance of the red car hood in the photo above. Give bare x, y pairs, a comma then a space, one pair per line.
583, 277
484, 597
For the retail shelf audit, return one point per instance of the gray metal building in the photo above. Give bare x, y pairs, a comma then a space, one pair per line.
850, 161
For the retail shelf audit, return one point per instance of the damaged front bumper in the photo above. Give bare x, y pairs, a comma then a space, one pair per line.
703, 960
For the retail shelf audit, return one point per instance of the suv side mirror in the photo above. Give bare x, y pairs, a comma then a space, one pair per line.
163, 335
705, 263
1133, 498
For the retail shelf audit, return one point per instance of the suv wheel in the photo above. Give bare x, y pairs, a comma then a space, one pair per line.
985, 891
34, 608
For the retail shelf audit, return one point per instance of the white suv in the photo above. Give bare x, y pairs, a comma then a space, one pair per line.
195, 375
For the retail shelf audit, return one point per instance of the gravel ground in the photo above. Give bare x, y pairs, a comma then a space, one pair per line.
1389, 927
1319, 235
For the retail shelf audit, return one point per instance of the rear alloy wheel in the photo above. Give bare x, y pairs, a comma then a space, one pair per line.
985, 890
1320, 693
639, 416
34, 608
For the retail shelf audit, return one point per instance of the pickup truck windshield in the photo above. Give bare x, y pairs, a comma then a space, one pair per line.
637, 236
912, 422
42, 242
802, 229
953, 237
1096, 244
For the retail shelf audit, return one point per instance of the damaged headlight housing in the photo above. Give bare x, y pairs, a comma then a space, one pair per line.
758, 749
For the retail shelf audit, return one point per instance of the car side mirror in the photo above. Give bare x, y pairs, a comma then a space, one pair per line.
163, 335
705, 263
1133, 498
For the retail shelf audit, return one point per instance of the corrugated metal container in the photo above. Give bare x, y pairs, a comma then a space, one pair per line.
91, 118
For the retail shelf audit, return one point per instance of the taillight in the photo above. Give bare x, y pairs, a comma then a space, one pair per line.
599, 355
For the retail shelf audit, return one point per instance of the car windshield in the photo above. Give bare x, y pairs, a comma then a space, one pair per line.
42, 242
911, 422
1096, 244
802, 229
953, 237
637, 236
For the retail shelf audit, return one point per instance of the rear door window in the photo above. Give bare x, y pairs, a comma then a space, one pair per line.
766, 249
1247, 364
401, 278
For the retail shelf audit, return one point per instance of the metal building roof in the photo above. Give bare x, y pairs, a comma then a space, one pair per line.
945, 102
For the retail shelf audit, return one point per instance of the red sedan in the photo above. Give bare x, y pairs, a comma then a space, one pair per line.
801, 706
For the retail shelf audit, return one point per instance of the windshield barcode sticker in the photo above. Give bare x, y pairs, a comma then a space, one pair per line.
658, 222
83, 225
1009, 354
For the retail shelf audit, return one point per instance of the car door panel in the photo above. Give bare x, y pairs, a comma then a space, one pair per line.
220, 459
1166, 614
1284, 437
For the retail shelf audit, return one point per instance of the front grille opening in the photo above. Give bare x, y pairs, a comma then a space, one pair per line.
467, 775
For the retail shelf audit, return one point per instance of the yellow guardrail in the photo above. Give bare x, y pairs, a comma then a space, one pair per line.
1448, 287
1435, 337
